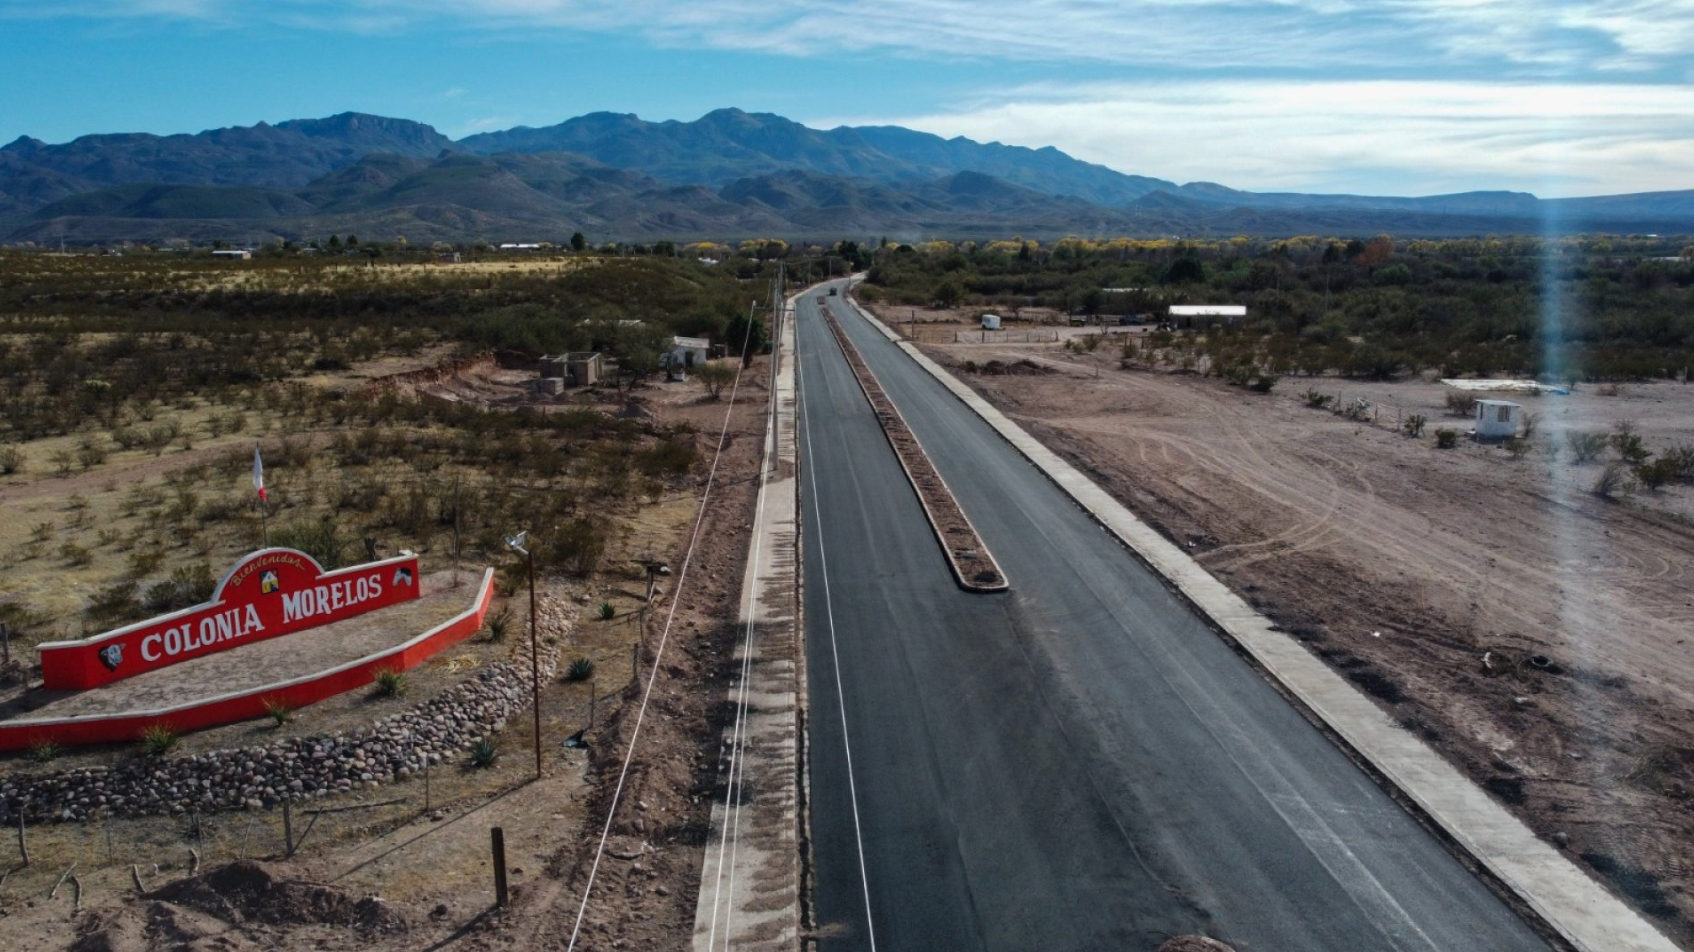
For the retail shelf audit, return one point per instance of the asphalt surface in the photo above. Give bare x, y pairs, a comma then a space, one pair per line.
1079, 763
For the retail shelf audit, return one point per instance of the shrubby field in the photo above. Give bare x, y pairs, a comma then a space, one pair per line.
1567, 309
136, 386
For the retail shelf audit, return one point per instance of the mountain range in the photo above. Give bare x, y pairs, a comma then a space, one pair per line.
729, 174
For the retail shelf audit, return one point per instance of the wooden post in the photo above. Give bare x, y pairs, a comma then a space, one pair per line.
287, 829
498, 835
23, 844
5, 644
592, 695
426, 783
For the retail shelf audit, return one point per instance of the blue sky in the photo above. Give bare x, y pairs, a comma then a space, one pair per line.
1386, 96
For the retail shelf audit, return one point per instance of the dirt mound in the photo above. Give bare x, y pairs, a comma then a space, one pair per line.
245, 891
109, 932
1025, 367
1194, 943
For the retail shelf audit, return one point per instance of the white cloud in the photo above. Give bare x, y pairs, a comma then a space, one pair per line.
1563, 36
1393, 137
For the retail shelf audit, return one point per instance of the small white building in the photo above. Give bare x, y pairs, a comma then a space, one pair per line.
1497, 419
1206, 315
686, 353
990, 322
233, 254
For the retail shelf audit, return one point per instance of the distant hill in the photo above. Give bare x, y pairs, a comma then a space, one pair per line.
727, 174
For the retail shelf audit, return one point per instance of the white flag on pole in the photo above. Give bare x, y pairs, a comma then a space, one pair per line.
258, 473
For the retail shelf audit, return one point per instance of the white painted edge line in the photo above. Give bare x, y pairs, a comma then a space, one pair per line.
1575, 906
481, 593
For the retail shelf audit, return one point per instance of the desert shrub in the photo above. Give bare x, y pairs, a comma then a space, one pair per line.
1680, 460
577, 546
498, 624
1586, 447
75, 555
1461, 403
607, 611
11, 460
90, 453
484, 753
1610, 481
188, 585
1315, 400
1446, 439
1628, 443
1517, 446
1414, 424
116, 604
320, 538
1655, 474
666, 458
1531, 423
391, 683
714, 376
1263, 383
43, 751
158, 740
580, 670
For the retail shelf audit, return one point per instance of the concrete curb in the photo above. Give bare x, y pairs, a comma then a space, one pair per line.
750, 879
974, 548
1574, 906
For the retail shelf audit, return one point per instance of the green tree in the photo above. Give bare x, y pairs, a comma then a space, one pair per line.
579, 242
637, 349
751, 330
948, 293
1185, 270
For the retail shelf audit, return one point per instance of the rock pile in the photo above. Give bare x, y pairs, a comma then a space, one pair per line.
301, 768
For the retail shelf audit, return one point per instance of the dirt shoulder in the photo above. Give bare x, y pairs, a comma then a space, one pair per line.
1534, 633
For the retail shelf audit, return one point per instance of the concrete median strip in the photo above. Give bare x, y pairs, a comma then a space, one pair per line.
750, 883
974, 567
1567, 900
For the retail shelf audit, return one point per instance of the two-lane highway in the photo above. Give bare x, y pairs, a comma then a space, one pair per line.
1080, 763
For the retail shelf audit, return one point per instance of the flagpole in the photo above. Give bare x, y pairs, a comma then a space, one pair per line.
259, 486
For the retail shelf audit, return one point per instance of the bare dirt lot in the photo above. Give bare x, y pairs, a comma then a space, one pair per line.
429, 864
1532, 631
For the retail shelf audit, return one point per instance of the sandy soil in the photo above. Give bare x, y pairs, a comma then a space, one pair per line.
430, 867
1534, 633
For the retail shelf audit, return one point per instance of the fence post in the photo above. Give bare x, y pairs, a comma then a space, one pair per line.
498, 836
287, 828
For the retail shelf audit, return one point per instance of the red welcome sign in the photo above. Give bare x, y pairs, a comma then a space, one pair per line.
269, 593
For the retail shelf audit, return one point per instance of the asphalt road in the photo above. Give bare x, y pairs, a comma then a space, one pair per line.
1079, 763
